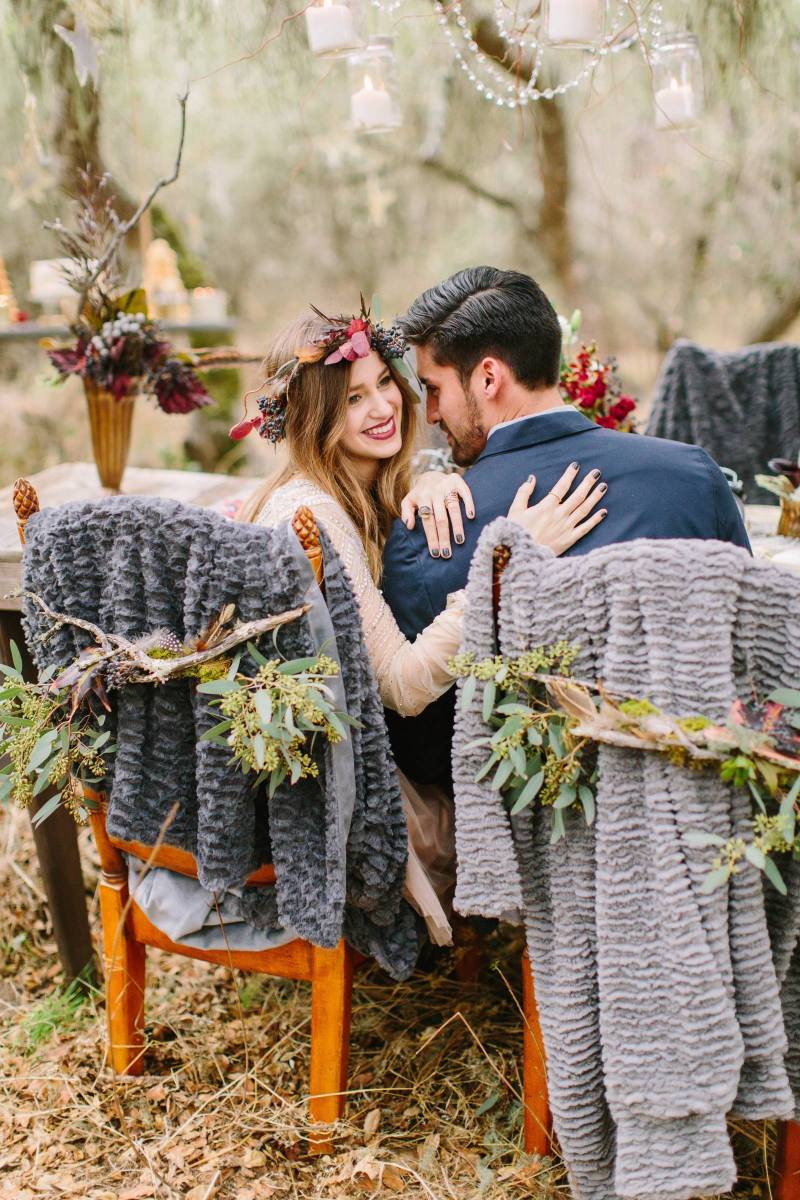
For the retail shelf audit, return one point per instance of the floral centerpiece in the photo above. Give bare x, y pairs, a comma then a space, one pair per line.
117, 349
785, 484
592, 384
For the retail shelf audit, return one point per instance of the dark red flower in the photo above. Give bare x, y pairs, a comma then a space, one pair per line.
606, 422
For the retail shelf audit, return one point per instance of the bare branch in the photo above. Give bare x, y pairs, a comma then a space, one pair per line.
477, 189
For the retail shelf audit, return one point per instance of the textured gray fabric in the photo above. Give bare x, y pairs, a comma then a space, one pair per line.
132, 565
660, 1006
742, 406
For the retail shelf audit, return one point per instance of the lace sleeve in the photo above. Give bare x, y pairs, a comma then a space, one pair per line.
410, 675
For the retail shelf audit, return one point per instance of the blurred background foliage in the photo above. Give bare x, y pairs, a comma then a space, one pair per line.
653, 235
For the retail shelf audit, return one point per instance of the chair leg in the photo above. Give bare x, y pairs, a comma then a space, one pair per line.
787, 1162
331, 1004
538, 1119
124, 969
470, 955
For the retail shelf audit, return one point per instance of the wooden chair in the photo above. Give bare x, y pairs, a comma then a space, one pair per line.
127, 932
538, 1118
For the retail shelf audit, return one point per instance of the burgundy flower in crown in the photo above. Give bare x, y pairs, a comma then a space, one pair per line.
358, 343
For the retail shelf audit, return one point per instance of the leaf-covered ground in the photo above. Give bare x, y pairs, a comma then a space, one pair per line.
220, 1112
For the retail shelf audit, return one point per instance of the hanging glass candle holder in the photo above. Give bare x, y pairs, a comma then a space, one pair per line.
677, 81
373, 88
574, 24
335, 27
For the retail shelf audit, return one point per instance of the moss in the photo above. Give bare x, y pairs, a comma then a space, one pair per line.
694, 724
638, 708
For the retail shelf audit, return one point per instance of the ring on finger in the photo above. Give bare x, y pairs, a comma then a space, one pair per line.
560, 499
452, 497
425, 510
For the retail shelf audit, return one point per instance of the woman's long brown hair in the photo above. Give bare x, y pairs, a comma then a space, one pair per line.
316, 411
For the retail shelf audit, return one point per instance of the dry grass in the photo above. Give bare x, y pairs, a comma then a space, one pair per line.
434, 1106
220, 1111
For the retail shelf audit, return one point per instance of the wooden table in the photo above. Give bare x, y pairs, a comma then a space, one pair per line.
56, 839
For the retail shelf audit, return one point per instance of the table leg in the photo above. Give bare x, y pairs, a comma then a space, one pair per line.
57, 849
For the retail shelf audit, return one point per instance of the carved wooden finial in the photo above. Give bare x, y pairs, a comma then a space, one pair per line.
305, 526
26, 503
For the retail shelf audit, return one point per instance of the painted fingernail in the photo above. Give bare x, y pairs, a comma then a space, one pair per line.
459, 538
445, 554
574, 466
603, 488
595, 474
603, 512
434, 551
471, 512
530, 479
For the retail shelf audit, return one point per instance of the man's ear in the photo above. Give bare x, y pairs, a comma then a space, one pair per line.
490, 375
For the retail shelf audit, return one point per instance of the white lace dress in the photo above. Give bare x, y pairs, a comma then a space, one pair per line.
410, 676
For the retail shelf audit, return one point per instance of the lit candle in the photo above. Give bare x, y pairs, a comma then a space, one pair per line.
330, 28
372, 108
209, 304
47, 283
574, 22
675, 106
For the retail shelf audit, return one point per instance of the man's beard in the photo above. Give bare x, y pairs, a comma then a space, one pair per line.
470, 441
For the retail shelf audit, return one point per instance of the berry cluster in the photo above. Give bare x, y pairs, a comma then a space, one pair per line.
593, 386
127, 354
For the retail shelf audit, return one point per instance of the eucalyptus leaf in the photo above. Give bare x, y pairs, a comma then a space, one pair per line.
528, 793
788, 697
489, 693
559, 829
586, 796
218, 687
487, 766
567, 794
555, 739
234, 667
774, 876
263, 702
502, 774
213, 734
260, 750
47, 809
256, 655
296, 665
42, 781
468, 692
517, 756
755, 857
16, 657
715, 879
42, 749
698, 840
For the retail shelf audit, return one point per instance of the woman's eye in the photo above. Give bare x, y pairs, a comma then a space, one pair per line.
353, 399
386, 379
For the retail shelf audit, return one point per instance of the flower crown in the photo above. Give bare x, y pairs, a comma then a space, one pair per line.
347, 339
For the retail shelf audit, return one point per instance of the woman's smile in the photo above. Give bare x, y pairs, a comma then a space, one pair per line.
382, 432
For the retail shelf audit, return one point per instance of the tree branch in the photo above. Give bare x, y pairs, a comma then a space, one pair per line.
126, 227
477, 189
776, 322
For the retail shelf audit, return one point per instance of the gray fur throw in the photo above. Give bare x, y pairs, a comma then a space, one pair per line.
663, 1008
133, 565
742, 406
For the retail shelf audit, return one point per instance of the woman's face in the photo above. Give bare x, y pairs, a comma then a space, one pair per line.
373, 429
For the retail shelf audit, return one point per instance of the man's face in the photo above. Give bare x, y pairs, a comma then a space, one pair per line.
452, 407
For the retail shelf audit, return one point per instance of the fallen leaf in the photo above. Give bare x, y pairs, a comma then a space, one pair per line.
371, 1122
254, 1158
392, 1178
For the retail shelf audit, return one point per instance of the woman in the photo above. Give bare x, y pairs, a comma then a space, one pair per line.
337, 391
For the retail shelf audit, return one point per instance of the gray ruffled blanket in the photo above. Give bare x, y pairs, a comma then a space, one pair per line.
663, 1008
742, 406
133, 565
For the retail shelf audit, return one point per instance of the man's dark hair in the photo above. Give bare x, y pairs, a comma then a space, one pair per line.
485, 311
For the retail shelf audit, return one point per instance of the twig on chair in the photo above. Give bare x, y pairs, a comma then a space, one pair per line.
158, 670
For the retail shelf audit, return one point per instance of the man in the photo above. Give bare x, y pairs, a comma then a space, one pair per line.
488, 349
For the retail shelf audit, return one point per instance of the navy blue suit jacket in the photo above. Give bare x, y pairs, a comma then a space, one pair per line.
656, 489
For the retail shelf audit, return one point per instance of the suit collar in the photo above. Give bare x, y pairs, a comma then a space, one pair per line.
546, 427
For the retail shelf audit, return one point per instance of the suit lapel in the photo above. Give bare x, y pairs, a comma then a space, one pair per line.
545, 428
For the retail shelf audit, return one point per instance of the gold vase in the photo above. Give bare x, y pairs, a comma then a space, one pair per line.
789, 523
110, 424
